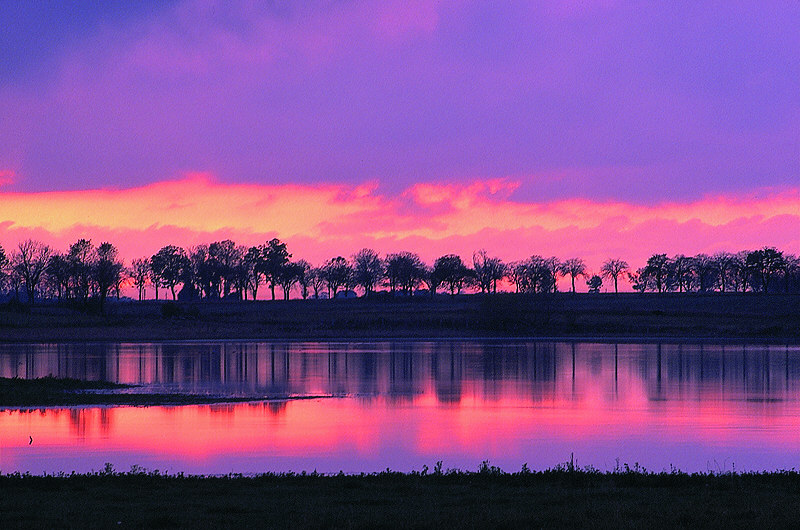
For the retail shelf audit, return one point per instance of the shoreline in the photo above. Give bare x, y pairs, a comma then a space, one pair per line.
624, 317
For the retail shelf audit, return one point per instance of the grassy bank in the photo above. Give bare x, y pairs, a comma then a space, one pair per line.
713, 315
53, 391
489, 498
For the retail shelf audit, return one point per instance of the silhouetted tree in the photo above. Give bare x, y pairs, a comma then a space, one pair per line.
336, 272
763, 265
316, 279
638, 284
517, 275
725, 263
452, 271
679, 274
554, 267
225, 256
655, 274
488, 271
29, 262
574, 267
81, 258
303, 269
289, 275
594, 284
4, 268
201, 272
168, 266
251, 264
274, 257
613, 269
705, 272
58, 275
535, 275
367, 269
139, 272
791, 273
404, 271
107, 271
431, 280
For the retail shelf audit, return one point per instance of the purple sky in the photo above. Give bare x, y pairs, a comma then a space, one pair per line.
634, 101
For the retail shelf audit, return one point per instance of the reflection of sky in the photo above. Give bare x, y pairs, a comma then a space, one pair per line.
411, 404
607, 101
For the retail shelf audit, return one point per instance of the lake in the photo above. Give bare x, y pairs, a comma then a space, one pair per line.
404, 404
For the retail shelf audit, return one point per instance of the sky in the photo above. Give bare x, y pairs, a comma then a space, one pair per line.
579, 128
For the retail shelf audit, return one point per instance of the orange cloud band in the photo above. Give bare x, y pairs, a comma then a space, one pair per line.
433, 219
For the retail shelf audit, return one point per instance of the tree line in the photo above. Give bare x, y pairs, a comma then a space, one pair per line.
225, 270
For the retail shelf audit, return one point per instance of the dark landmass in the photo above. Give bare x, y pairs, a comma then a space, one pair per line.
723, 316
560, 498
63, 392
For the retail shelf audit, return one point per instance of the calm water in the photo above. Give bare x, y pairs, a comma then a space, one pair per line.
404, 404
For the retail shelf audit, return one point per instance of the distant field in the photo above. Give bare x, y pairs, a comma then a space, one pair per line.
632, 315
490, 499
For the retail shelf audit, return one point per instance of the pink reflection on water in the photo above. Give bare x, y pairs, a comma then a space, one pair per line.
694, 407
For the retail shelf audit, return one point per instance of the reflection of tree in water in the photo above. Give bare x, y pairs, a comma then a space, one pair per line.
401, 371
404, 381
447, 368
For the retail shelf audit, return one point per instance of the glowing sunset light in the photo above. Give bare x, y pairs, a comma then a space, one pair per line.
320, 221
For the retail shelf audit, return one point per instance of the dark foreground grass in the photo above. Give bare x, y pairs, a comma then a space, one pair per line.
55, 391
560, 498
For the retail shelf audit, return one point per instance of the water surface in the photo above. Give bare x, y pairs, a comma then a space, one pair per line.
404, 404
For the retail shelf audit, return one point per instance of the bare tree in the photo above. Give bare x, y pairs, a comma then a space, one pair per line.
30, 261
679, 273
336, 272
316, 279
488, 271
404, 271
139, 272
725, 265
553, 265
4, 268
574, 267
367, 269
613, 269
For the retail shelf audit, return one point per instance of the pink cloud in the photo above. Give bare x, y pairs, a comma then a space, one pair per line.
321, 221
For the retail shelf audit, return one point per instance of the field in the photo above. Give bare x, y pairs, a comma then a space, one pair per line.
601, 316
563, 498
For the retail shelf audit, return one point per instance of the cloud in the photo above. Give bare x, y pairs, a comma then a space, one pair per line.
609, 99
322, 221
